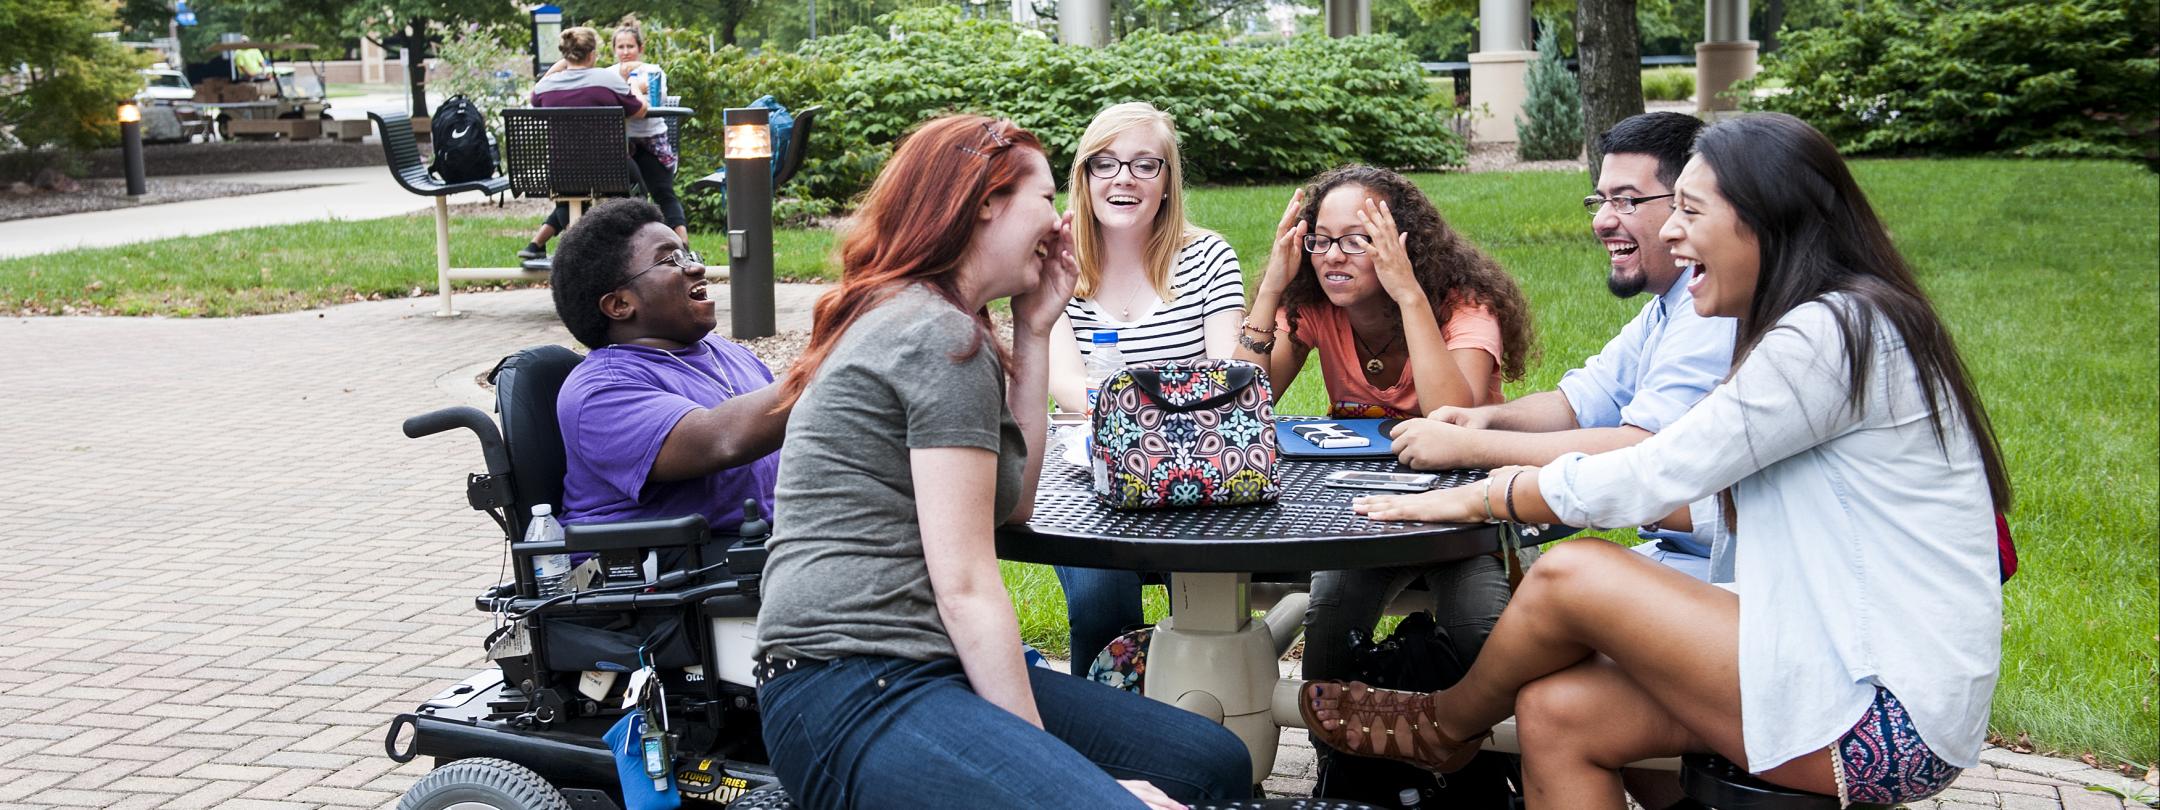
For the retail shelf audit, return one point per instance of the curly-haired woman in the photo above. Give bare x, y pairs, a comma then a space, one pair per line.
1408, 317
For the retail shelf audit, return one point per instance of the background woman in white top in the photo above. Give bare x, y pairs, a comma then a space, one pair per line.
1170, 290
1856, 477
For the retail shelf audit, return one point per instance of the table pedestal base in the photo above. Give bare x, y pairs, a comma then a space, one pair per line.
1211, 658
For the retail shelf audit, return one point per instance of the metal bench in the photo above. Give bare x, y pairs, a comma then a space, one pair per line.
571, 155
402, 152
789, 159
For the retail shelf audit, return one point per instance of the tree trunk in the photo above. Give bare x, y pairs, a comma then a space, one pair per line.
415, 36
727, 31
1609, 44
1773, 19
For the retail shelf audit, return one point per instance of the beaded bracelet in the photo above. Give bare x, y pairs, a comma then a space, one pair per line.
1257, 347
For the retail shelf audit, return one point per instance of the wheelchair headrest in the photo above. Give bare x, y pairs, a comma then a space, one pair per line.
525, 387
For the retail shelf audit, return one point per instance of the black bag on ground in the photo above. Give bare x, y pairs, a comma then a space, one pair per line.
1416, 657
463, 150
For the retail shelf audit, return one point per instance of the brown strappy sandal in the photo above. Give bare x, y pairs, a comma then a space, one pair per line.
1385, 723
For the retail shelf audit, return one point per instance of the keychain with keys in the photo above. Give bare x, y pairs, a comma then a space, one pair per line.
658, 758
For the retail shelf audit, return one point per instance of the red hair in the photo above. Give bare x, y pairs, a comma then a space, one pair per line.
914, 227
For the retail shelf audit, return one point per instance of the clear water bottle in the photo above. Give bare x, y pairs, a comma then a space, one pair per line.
1411, 798
549, 570
1103, 361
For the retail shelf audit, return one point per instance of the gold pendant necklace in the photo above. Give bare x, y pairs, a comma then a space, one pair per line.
1374, 365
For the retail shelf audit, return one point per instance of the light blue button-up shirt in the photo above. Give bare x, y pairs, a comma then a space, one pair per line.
1658, 367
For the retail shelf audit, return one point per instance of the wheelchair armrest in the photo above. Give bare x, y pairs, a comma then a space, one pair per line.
636, 534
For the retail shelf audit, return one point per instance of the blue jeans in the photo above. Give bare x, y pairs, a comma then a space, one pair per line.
1099, 604
888, 732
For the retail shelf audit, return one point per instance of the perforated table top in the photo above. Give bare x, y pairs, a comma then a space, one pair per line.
1310, 528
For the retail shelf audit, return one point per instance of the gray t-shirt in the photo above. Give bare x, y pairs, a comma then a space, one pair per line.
846, 576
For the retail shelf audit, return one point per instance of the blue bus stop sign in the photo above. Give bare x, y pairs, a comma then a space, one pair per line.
182, 15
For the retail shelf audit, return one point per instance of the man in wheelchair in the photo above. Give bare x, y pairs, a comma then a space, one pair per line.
663, 418
657, 443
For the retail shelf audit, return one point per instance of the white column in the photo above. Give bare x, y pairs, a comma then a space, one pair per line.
1500, 68
1725, 56
1084, 22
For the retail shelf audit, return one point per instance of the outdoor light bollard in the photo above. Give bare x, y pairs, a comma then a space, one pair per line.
131, 146
749, 148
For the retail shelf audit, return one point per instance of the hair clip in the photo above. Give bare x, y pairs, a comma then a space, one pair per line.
990, 127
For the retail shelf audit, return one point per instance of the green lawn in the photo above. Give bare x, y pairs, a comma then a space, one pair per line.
2047, 271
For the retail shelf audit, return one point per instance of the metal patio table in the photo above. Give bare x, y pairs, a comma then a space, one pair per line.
1210, 656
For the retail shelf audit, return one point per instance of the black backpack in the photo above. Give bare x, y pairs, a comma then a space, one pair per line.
1417, 657
464, 152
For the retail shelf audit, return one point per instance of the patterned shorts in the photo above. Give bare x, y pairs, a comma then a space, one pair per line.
1882, 760
660, 148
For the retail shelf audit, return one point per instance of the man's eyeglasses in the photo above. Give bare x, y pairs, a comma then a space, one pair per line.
680, 260
1105, 167
1620, 204
1352, 244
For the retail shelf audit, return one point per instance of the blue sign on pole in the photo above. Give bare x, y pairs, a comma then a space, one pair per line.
182, 15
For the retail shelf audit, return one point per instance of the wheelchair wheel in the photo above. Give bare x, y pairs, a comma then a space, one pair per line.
483, 784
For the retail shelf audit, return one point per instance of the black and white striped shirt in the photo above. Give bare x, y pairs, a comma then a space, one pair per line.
1206, 280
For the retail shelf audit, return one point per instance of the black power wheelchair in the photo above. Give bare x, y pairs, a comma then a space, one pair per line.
526, 734
523, 734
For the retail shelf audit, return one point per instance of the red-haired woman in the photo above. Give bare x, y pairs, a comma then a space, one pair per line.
890, 661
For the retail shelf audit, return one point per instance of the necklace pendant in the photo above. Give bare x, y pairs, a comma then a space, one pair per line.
1374, 366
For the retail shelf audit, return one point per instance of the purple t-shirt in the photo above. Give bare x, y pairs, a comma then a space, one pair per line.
617, 408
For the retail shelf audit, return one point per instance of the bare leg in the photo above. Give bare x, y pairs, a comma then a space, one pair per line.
546, 232
1678, 649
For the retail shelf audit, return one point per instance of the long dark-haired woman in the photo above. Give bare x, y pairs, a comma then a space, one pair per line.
890, 656
1853, 468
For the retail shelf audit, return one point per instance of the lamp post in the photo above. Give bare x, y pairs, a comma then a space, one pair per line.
131, 146
749, 147
547, 38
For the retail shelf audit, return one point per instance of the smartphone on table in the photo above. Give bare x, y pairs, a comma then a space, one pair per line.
1384, 481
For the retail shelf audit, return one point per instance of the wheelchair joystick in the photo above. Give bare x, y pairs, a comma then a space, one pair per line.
754, 524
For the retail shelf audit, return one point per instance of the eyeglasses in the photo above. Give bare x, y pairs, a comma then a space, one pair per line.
1352, 244
1620, 204
680, 260
1105, 167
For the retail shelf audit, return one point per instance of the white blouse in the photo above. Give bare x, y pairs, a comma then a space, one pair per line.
1864, 549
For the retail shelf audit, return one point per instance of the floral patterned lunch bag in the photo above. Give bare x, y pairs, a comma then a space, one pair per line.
1185, 433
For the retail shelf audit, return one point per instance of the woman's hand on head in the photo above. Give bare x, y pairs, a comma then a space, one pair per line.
1037, 310
1390, 253
1283, 256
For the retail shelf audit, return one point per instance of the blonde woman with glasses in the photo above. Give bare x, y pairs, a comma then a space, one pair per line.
1171, 291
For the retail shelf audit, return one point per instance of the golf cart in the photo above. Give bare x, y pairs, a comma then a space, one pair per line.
281, 103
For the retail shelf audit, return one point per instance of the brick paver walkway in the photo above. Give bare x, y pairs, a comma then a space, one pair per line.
227, 569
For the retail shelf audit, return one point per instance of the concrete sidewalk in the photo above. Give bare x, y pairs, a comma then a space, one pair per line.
361, 192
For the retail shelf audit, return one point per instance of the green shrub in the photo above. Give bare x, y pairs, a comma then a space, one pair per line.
61, 83
2071, 79
1243, 113
1668, 84
1550, 126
